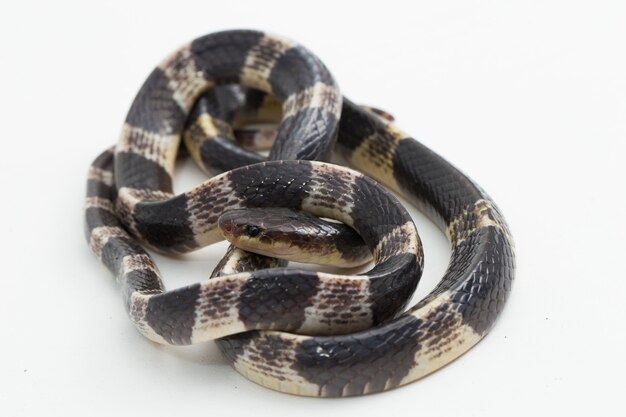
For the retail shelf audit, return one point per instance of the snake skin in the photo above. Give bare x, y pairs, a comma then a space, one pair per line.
349, 335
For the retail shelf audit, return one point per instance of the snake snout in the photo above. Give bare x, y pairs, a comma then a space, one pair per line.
226, 225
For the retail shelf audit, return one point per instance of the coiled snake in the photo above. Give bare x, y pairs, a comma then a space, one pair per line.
296, 331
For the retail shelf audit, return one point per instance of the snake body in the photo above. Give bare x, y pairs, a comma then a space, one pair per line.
351, 336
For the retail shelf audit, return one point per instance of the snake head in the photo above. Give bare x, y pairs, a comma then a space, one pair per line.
267, 231
293, 236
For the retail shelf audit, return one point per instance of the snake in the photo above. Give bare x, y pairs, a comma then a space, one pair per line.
295, 330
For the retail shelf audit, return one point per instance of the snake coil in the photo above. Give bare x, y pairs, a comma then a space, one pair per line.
296, 331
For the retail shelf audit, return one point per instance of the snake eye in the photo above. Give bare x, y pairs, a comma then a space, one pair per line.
253, 231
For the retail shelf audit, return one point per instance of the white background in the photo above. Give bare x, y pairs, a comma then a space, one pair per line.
528, 98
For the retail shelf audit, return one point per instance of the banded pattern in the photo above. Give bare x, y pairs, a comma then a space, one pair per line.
337, 351
260, 299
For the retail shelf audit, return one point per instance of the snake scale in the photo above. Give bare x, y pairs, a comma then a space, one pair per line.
293, 330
